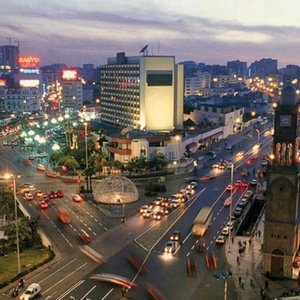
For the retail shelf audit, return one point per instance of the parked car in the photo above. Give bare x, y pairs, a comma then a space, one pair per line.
226, 231
77, 198
59, 194
220, 240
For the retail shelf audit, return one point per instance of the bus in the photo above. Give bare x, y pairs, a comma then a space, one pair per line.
202, 221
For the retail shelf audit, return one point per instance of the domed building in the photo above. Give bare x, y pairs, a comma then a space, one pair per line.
116, 189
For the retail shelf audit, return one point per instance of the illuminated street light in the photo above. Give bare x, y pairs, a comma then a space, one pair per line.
11, 176
60, 119
53, 121
55, 147
31, 132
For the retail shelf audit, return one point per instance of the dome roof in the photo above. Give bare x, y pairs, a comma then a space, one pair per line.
288, 96
116, 190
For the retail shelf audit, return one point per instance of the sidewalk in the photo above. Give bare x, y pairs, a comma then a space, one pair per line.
247, 274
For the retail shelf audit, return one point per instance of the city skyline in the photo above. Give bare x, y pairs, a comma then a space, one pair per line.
74, 32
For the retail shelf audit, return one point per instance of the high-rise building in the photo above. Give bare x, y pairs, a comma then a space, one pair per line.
9, 57
263, 67
71, 94
237, 67
193, 85
143, 92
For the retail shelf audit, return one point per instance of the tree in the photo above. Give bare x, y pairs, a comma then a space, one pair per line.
157, 161
69, 161
7, 203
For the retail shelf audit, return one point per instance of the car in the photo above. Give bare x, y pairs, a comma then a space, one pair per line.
175, 203
85, 237
165, 210
29, 186
4, 143
41, 167
39, 194
229, 187
158, 200
244, 200
43, 204
59, 194
52, 195
225, 231
227, 201
240, 183
145, 207
242, 204
77, 198
166, 203
33, 291
220, 240
9, 143
264, 163
175, 236
31, 157
193, 185
253, 182
158, 215
222, 166
15, 143
170, 247
237, 211
230, 224
244, 173
248, 194
229, 147
148, 213
28, 196
215, 165
210, 153
212, 157
249, 135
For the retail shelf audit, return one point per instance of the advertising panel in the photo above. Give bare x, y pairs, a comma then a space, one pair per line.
29, 83
2, 82
70, 74
29, 62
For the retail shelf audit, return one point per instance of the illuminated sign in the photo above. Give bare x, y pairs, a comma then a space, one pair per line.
29, 62
69, 74
30, 71
29, 82
2, 82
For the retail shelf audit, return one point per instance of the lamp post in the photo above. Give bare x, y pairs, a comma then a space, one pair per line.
177, 139
253, 114
258, 135
11, 176
86, 145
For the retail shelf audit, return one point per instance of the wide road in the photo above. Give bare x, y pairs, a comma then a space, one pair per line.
168, 274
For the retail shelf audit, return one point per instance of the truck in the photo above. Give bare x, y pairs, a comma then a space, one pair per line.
202, 221
63, 215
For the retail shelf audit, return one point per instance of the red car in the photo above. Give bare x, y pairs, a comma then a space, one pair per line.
84, 236
59, 194
240, 183
52, 195
43, 204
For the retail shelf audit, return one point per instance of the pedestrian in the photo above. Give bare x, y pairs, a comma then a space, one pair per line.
255, 233
250, 242
239, 243
259, 233
251, 282
123, 291
253, 171
240, 280
266, 284
245, 244
238, 260
232, 239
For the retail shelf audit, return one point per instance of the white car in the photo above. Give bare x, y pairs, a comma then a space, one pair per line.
28, 196
77, 198
170, 247
31, 292
225, 230
253, 182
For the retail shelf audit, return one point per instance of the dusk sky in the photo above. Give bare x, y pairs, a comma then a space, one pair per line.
215, 31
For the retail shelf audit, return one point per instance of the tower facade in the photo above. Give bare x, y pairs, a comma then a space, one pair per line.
281, 231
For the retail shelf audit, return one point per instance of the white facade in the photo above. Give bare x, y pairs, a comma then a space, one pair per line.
193, 85
215, 92
142, 92
20, 100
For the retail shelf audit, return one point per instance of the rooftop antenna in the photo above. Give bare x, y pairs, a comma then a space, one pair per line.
145, 50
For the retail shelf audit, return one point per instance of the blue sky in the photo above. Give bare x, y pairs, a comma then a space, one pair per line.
215, 31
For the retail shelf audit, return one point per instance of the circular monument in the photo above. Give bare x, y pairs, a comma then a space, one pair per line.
116, 189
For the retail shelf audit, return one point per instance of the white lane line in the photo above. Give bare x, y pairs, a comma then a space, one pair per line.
107, 294
65, 278
70, 289
88, 292
188, 254
58, 270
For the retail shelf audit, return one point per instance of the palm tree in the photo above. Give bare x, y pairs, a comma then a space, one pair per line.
70, 162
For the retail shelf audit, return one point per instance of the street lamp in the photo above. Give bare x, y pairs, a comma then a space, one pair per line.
86, 146
11, 176
258, 135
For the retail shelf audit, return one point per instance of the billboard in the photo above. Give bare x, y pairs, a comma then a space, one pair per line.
29, 62
2, 82
29, 83
69, 74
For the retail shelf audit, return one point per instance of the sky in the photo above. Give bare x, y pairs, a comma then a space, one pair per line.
214, 32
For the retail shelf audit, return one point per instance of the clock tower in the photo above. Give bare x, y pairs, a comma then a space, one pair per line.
281, 231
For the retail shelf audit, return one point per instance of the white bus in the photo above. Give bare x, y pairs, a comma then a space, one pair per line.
202, 221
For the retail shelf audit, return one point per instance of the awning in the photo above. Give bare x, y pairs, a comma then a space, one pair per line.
191, 145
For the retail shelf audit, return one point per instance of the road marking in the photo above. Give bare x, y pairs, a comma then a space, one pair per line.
88, 292
66, 278
107, 294
188, 254
58, 270
70, 289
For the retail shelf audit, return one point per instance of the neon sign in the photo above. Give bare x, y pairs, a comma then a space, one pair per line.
69, 74
29, 62
29, 82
